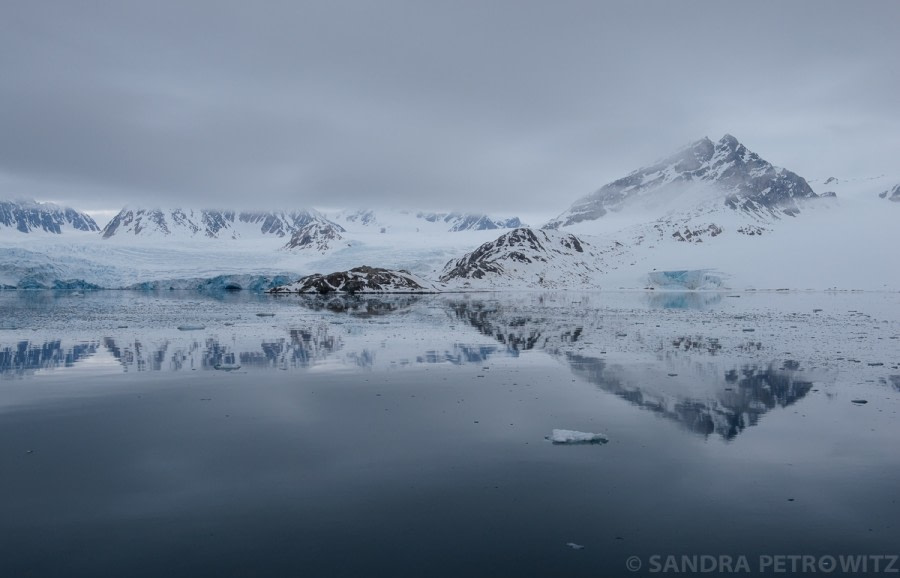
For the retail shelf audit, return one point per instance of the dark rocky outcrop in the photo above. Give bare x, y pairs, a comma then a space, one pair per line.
359, 280
521, 246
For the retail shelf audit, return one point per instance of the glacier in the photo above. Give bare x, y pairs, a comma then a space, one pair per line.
685, 280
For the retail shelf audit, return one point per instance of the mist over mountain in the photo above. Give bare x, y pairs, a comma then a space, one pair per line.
711, 215
725, 170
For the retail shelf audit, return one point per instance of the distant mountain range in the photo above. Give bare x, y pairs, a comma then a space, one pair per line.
26, 216
702, 217
470, 221
211, 224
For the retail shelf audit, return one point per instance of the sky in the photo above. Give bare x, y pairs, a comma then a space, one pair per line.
509, 107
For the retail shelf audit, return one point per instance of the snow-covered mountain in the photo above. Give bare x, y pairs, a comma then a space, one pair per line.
528, 257
318, 234
714, 215
28, 216
208, 223
891, 194
470, 221
387, 220
724, 173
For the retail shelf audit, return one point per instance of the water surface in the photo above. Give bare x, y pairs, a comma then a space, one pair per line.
404, 436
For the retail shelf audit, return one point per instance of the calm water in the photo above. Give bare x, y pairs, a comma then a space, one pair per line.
404, 436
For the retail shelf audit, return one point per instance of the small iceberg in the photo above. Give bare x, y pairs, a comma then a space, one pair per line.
227, 366
191, 327
566, 436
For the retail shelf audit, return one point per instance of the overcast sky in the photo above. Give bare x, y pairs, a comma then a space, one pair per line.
505, 106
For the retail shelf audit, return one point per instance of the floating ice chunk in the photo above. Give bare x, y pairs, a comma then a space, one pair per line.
566, 436
686, 279
191, 327
227, 366
574, 546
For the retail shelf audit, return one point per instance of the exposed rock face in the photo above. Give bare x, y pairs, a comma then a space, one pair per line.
696, 235
30, 216
317, 235
359, 280
746, 181
470, 221
209, 223
891, 194
363, 216
542, 256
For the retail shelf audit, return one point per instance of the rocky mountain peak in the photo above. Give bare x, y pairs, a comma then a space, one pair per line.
530, 255
744, 181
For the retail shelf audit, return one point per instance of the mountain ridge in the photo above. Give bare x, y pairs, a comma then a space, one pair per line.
28, 215
734, 176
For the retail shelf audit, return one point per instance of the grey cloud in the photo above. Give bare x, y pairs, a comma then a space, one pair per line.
526, 104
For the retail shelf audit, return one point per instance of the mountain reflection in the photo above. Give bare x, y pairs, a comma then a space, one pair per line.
718, 396
460, 355
24, 358
715, 384
511, 331
357, 305
735, 399
300, 348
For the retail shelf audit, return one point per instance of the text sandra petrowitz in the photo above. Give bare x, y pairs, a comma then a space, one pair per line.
766, 563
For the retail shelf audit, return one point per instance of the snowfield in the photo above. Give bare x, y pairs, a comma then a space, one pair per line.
711, 216
841, 243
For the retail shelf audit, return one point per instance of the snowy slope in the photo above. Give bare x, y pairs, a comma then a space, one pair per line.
28, 216
181, 223
316, 235
727, 174
395, 221
525, 258
892, 194
178, 248
712, 216
836, 243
